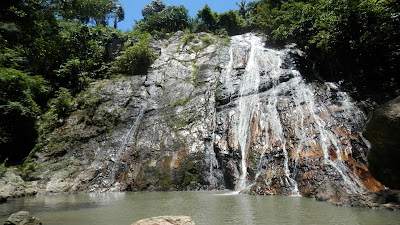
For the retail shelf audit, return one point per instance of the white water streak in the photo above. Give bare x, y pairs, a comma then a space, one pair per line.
305, 107
247, 99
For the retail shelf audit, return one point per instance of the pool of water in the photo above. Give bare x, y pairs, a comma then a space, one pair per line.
206, 208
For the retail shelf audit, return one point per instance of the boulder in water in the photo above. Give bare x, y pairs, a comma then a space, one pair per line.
383, 131
166, 220
387, 199
22, 218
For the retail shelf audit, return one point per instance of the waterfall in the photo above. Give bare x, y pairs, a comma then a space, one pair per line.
279, 118
133, 129
247, 98
116, 165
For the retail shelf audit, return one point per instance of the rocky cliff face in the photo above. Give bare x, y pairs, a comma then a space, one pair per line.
383, 131
211, 115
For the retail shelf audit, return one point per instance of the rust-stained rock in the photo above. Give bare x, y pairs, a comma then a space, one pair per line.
295, 136
211, 116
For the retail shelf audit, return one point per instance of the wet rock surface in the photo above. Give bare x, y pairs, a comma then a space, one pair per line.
291, 135
22, 218
166, 220
383, 131
150, 132
211, 116
386, 199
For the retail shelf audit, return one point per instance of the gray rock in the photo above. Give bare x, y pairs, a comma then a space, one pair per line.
166, 220
185, 125
386, 199
22, 218
12, 185
383, 132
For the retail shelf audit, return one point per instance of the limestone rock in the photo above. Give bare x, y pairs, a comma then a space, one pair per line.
383, 132
144, 132
211, 114
166, 220
22, 218
12, 185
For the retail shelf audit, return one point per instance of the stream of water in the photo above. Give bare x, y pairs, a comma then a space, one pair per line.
281, 119
206, 208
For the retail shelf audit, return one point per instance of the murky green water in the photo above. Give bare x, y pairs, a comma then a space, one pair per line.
205, 208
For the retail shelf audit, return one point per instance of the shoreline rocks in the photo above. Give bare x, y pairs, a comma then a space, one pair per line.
384, 199
22, 218
12, 186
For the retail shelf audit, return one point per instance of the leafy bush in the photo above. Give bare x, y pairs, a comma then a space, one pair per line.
136, 59
189, 172
355, 40
18, 112
27, 167
169, 19
3, 168
86, 55
58, 109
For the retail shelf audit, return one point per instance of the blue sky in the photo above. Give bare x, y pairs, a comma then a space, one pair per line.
133, 8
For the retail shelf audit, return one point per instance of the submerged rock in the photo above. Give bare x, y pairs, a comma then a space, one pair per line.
383, 131
387, 199
166, 220
22, 218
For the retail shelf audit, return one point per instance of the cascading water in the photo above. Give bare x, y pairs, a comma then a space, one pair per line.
280, 123
250, 122
116, 165
247, 98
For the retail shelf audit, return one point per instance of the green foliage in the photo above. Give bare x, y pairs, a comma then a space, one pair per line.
164, 179
136, 59
58, 109
227, 23
85, 55
206, 40
43, 37
181, 102
230, 22
362, 36
155, 6
3, 168
88, 101
189, 172
27, 167
164, 20
209, 19
90, 11
18, 112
